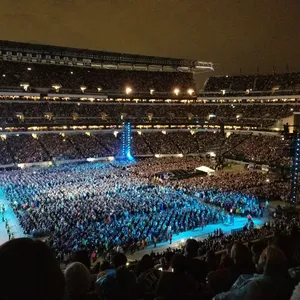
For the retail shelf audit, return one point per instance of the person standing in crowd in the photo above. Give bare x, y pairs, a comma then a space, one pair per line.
154, 241
170, 238
202, 223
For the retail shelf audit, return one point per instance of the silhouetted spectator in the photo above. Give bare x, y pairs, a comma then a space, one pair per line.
222, 280
177, 284
33, 263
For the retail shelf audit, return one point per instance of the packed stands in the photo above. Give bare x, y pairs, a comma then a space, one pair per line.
89, 210
12, 74
263, 149
66, 201
5, 158
65, 113
258, 271
36, 193
286, 83
26, 149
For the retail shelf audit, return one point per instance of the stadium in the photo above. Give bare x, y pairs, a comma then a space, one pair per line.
110, 153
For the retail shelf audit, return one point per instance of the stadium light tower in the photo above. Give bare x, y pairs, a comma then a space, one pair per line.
176, 91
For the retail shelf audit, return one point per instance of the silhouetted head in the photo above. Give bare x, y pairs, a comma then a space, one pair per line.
179, 263
145, 263
78, 280
242, 258
29, 271
82, 256
119, 259
191, 248
273, 262
105, 265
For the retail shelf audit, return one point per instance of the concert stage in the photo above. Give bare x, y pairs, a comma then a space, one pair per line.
179, 174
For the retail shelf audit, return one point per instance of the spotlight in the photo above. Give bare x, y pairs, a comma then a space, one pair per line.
128, 90
190, 92
176, 91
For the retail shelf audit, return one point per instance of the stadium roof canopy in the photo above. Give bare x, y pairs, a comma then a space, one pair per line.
100, 59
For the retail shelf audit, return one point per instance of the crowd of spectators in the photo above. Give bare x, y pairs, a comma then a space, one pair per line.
218, 242
147, 168
243, 83
59, 147
72, 78
254, 264
259, 115
5, 157
230, 275
129, 208
266, 186
271, 150
94, 210
90, 210
26, 148
252, 182
94, 145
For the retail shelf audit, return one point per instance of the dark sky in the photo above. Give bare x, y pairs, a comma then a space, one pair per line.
233, 34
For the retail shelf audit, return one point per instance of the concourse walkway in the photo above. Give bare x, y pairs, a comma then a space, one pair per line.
198, 234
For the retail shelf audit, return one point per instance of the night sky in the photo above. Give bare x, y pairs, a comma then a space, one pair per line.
237, 35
